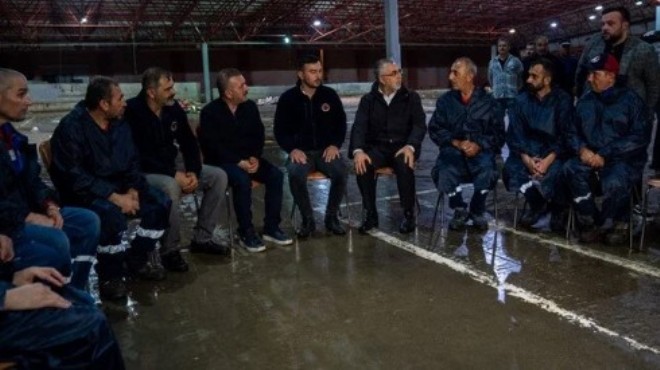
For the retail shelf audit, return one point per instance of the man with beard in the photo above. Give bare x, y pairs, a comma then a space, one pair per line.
638, 61
468, 127
95, 165
388, 131
160, 131
538, 122
310, 125
232, 137
609, 139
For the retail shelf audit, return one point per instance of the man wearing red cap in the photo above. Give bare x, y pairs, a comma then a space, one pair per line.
609, 138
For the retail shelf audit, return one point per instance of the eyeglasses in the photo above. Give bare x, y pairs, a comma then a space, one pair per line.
393, 73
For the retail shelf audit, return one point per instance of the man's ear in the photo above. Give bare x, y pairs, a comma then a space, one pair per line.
104, 105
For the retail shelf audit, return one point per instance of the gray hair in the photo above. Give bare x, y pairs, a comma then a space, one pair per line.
6, 75
469, 64
151, 77
222, 81
380, 64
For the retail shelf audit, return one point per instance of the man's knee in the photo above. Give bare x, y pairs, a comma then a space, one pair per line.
214, 177
167, 185
297, 172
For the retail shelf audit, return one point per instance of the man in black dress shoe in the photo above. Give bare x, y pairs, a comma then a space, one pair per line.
161, 131
310, 125
388, 131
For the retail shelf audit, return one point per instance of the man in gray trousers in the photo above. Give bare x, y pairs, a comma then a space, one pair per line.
160, 131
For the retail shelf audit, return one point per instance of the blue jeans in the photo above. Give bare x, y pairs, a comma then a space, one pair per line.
241, 184
70, 250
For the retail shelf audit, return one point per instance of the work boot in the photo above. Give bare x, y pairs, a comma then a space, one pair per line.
307, 227
113, 289
461, 216
407, 224
619, 234
333, 225
209, 247
530, 217
370, 221
479, 221
590, 234
558, 219
151, 269
173, 261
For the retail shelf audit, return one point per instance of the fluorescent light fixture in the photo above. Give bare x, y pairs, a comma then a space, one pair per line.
512, 31
317, 23
639, 3
287, 40
599, 8
592, 17
553, 24
83, 20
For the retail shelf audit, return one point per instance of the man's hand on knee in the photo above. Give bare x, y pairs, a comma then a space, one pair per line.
46, 274
298, 156
6, 248
33, 296
360, 160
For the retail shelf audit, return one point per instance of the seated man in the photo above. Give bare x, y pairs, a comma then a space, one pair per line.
47, 324
387, 132
159, 123
468, 127
29, 210
538, 123
313, 141
609, 139
232, 137
95, 165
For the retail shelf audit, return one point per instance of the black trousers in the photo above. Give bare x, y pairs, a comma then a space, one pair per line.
405, 178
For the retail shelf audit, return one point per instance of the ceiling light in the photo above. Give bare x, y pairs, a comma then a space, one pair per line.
639, 3
317, 23
553, 24
83, 20
512, 31
599, 8
592, 17
287, 40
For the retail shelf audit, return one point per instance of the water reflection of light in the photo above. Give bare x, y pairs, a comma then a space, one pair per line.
496, 255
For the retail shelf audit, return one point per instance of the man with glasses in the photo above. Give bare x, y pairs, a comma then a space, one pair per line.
388, 131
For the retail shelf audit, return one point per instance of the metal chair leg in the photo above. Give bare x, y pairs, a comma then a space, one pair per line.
630, 223
644, 212
495, 201
228, 197
435, 213
570, 223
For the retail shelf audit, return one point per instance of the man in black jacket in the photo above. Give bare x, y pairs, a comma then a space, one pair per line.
95, 165
232, 137
160, 131
43, 234
310, 125
388, 131
468, 127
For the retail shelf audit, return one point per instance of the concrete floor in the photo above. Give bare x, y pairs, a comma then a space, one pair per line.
500, 299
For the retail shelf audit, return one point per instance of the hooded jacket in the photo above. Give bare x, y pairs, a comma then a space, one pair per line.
400, 123
481, 120
90, 163
309, 124
156, 138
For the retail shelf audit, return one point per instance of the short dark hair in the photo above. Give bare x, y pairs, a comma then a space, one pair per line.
625, 14
100, 88
504, 40
222, 81
547, 65
151, 77
307, 59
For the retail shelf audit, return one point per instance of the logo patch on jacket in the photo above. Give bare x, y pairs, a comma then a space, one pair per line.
325, 107
174, 126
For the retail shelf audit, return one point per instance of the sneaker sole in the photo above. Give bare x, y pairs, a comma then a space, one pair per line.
256, 249
277, 241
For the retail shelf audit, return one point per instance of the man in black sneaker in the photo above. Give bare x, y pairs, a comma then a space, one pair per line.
538, 123
609, 140
161, 131
232, 137
310, 125
468, 127
388, 132
95, 165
